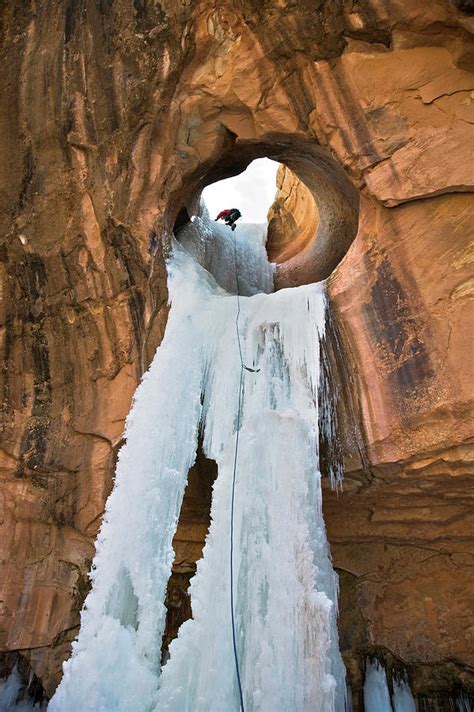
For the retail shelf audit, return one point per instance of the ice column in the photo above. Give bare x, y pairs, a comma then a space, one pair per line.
403, 700
376, 693
116, 660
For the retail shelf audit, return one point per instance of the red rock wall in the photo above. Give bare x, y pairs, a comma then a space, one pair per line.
112, 116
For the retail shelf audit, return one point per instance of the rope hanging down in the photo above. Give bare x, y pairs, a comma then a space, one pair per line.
242, 367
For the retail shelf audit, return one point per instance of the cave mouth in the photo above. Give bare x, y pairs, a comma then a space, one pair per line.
312, 251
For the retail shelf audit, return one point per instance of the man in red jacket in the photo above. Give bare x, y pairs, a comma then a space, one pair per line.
229, 217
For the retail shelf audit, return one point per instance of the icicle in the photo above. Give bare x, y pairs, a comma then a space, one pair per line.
10, 690
376, 693
463, 703
349, 704
331, 455
403, 700
12, 695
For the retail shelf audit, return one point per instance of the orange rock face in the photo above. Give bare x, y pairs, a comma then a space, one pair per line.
293, 218
114, 117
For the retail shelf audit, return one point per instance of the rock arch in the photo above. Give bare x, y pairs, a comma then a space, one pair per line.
335, 214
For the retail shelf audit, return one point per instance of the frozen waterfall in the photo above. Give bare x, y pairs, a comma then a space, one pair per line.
284, 586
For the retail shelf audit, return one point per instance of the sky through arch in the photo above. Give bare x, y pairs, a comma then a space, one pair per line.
252, 192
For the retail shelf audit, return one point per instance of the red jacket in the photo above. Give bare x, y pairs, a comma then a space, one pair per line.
224, 213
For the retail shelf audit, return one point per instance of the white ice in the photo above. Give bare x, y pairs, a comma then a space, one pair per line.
285, 588
212, 246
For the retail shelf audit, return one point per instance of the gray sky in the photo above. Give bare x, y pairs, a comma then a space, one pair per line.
252, 192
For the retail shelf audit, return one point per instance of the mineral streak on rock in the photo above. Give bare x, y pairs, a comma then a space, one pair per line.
114, 117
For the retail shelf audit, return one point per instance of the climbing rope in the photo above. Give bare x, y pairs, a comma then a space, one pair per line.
242, 368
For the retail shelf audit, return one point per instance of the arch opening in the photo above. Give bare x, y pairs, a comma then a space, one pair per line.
311, 252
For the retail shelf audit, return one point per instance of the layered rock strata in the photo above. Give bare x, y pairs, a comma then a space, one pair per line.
114, 117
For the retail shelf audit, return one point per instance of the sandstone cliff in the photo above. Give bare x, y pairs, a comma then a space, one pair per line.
114, 116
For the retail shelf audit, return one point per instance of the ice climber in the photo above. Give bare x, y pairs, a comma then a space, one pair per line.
229, 217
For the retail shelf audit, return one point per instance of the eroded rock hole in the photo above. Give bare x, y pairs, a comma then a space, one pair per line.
233, 250
297, 208
313, 219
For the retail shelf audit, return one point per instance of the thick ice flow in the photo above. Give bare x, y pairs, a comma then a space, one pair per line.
212, 246
284, 586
